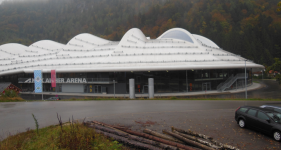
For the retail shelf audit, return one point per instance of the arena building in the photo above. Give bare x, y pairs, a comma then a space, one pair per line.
177, 60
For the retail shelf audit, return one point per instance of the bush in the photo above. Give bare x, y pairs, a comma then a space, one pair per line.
9, 93
70, 136
10, 96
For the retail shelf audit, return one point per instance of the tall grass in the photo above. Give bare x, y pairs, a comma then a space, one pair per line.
10, 96
36, 123
69, 137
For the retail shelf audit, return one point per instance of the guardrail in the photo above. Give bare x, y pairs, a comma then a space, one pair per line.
8, 52
45, 48
151, 47
143, 54
109, 43
75, 45
7, 59
230, 81
128, 62
53, 58
75, 50
38, 55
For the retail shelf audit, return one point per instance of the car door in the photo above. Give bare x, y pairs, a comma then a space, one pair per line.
263, 125
251, 118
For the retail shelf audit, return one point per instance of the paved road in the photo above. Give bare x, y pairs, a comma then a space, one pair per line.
17, 115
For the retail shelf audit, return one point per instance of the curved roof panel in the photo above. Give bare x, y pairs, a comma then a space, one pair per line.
205, 40
176, 49
88, 39
177, 34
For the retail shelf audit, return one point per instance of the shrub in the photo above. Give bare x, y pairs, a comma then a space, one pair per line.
9, 93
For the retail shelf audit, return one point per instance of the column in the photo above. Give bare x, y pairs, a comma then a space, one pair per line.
151, 87
132, 88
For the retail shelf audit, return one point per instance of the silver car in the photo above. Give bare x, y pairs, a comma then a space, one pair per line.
273, 106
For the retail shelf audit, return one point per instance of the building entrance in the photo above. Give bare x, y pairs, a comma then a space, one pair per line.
94, 89
206, 86
145, 89
97, 89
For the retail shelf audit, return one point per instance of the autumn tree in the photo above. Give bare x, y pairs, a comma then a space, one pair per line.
279, 6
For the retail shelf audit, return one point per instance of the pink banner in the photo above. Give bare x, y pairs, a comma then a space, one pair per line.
53, 78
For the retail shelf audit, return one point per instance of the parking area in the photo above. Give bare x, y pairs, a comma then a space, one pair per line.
218, 123
211, 117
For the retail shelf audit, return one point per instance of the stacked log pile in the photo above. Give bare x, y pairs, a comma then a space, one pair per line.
176, 139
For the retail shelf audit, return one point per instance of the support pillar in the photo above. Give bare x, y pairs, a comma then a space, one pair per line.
151, 87
186, 81
132, 88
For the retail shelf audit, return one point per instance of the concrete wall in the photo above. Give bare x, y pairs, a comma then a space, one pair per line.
120, 88
76, 88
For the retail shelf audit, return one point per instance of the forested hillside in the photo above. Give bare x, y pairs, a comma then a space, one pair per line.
251, 28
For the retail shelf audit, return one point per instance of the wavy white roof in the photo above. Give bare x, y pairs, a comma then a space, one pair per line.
176, 49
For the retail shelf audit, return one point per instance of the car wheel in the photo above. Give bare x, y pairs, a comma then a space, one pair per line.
277, 135
241, 123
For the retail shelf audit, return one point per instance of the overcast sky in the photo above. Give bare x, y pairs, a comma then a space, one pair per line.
20, 0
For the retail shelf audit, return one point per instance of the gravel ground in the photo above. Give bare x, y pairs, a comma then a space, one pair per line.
218, 123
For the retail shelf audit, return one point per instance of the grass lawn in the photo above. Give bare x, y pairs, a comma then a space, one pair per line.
14, 99
66, 137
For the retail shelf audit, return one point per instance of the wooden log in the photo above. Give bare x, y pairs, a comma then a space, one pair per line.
156, 139
210, 144
163, 136
132, 137
192, 133
128, 142
224, 146
104, 124
108, 126
187, 141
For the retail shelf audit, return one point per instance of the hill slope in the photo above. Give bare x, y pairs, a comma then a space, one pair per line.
251, 28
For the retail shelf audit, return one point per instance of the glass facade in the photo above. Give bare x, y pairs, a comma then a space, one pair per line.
164, 81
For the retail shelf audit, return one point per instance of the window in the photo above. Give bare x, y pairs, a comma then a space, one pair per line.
243, 109
275, 116
262, 116
252, 112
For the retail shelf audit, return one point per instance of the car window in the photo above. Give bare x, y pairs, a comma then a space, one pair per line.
278, 110
252, 112
262, 116
243, 109
275, 116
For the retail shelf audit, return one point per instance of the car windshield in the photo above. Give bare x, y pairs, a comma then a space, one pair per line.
275, 116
